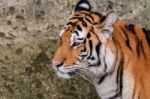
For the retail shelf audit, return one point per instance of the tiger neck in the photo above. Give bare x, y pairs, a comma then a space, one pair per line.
118, 84
109, 86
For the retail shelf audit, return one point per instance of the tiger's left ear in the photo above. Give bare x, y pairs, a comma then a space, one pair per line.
107, 28
83, 5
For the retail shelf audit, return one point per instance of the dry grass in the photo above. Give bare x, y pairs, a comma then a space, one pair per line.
26, 73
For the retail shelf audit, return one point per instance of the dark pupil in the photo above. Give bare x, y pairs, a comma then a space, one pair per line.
76, 44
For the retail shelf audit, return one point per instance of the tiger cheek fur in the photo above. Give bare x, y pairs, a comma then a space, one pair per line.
66, 54
71, 56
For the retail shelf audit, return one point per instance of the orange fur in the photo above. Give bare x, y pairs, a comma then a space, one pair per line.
137, 66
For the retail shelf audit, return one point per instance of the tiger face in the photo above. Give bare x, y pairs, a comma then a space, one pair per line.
81, 44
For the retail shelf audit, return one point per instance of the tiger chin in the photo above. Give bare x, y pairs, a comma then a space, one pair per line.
113, 55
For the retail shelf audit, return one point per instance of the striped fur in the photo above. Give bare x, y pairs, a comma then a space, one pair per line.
111, 54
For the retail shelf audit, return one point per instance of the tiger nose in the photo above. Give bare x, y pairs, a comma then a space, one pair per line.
57, 64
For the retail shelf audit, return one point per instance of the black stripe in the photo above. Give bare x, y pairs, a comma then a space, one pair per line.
105, 64
139, 97
92, 31
71, 23
88, 35
92, 58
97, 64
119, 79
127, 41
83, 56
79, 28
83, 50
76, 33
139, 48
102, 78
91, 49
142, 48
98, 48
80, 39
127, 38
103, 18
89, 15
147, 35
131, 28
88, 20
79, 19
96, 13
84, 23
133, 93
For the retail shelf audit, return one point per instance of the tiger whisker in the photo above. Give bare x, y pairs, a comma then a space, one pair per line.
85, 73
84, 77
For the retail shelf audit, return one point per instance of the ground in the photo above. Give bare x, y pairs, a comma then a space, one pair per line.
26, 73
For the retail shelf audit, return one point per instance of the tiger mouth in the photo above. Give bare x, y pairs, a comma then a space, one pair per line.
71, 73
66, 72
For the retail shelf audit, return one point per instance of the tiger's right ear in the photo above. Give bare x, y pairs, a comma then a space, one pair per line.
106, 28
83, 5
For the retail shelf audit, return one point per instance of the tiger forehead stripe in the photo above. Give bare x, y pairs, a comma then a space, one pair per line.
89, 20
74, 20
93, 32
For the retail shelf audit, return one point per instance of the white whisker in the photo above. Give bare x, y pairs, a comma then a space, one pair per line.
85, 73
82, 71
84, 77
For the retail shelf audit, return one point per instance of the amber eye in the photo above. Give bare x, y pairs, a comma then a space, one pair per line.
76, 44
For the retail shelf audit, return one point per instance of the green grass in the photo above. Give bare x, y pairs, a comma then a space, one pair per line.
26, 73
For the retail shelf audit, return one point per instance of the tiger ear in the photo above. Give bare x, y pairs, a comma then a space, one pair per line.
83, 5
107, 28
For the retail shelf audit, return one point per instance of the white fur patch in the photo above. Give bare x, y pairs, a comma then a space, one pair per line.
62, 72
109, 59
84, 5
128, 86
61, 75
74, 36
107, 88
62, 69
82, 33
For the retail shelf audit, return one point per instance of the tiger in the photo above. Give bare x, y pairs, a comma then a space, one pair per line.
111, 54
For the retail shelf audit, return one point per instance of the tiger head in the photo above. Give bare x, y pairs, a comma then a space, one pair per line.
82, 44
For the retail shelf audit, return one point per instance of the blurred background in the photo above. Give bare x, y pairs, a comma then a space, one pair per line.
27, 42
